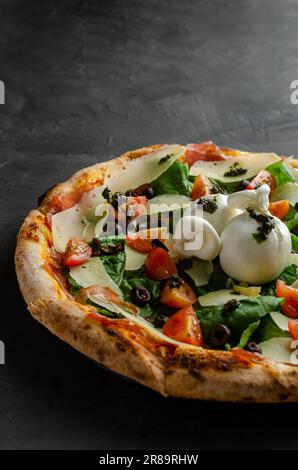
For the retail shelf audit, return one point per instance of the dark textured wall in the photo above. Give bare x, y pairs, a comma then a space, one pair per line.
89, 79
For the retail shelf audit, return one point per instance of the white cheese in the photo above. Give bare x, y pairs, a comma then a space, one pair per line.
134, 259
200, 271
222, 214
281, 320
287, 191
194, 236
68, 224
143, 170
294, 258
242, 256
278, 349
219, 297
93, 273
79, 221
252, 162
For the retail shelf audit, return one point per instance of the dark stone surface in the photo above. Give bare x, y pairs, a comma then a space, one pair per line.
88, 79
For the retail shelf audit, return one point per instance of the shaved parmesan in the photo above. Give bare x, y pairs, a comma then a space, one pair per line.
287, 191
134, 259
200, 271
93, 273
68, 224
79, 221
278, 349
281, 320
252, 162
145, 169
219, 297
294, 258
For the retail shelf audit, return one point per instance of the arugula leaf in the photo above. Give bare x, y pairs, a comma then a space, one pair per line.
133, 278
281, 173
268, 329
74, 286
294, 242
238, 320
114, 263
292, 223
173, 181
290, 214
245, 337
289, 275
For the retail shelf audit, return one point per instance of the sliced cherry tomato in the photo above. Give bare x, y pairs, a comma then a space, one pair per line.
290, 294
279, 208
207, 151
142, 240
293, 329
264, 177
77, 252
177, 293
184, 326
201, 187
159, 265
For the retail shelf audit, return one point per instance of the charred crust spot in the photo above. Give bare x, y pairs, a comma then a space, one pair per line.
197, 374
202, 360
31, 232
112, 332
121, 346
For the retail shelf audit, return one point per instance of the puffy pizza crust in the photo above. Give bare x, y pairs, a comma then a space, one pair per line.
128, 349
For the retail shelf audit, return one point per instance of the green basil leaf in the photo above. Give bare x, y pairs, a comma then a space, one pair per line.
238, 320
281, 173
173, 181
268, 329
246, 335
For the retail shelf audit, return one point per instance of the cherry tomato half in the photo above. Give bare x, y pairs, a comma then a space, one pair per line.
290, 294
177, 293
159, 265
184, 326
279, 208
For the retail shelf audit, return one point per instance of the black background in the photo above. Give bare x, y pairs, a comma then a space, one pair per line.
86, 80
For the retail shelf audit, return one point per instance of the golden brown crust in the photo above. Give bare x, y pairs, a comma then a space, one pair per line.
129, 349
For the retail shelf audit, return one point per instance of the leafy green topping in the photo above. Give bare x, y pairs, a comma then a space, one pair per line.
173, 181
238, 320
246, 335
280, 173
132, 279
294, 242
268, 329
112, 254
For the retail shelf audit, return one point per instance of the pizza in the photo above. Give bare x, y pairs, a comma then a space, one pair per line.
175, 266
